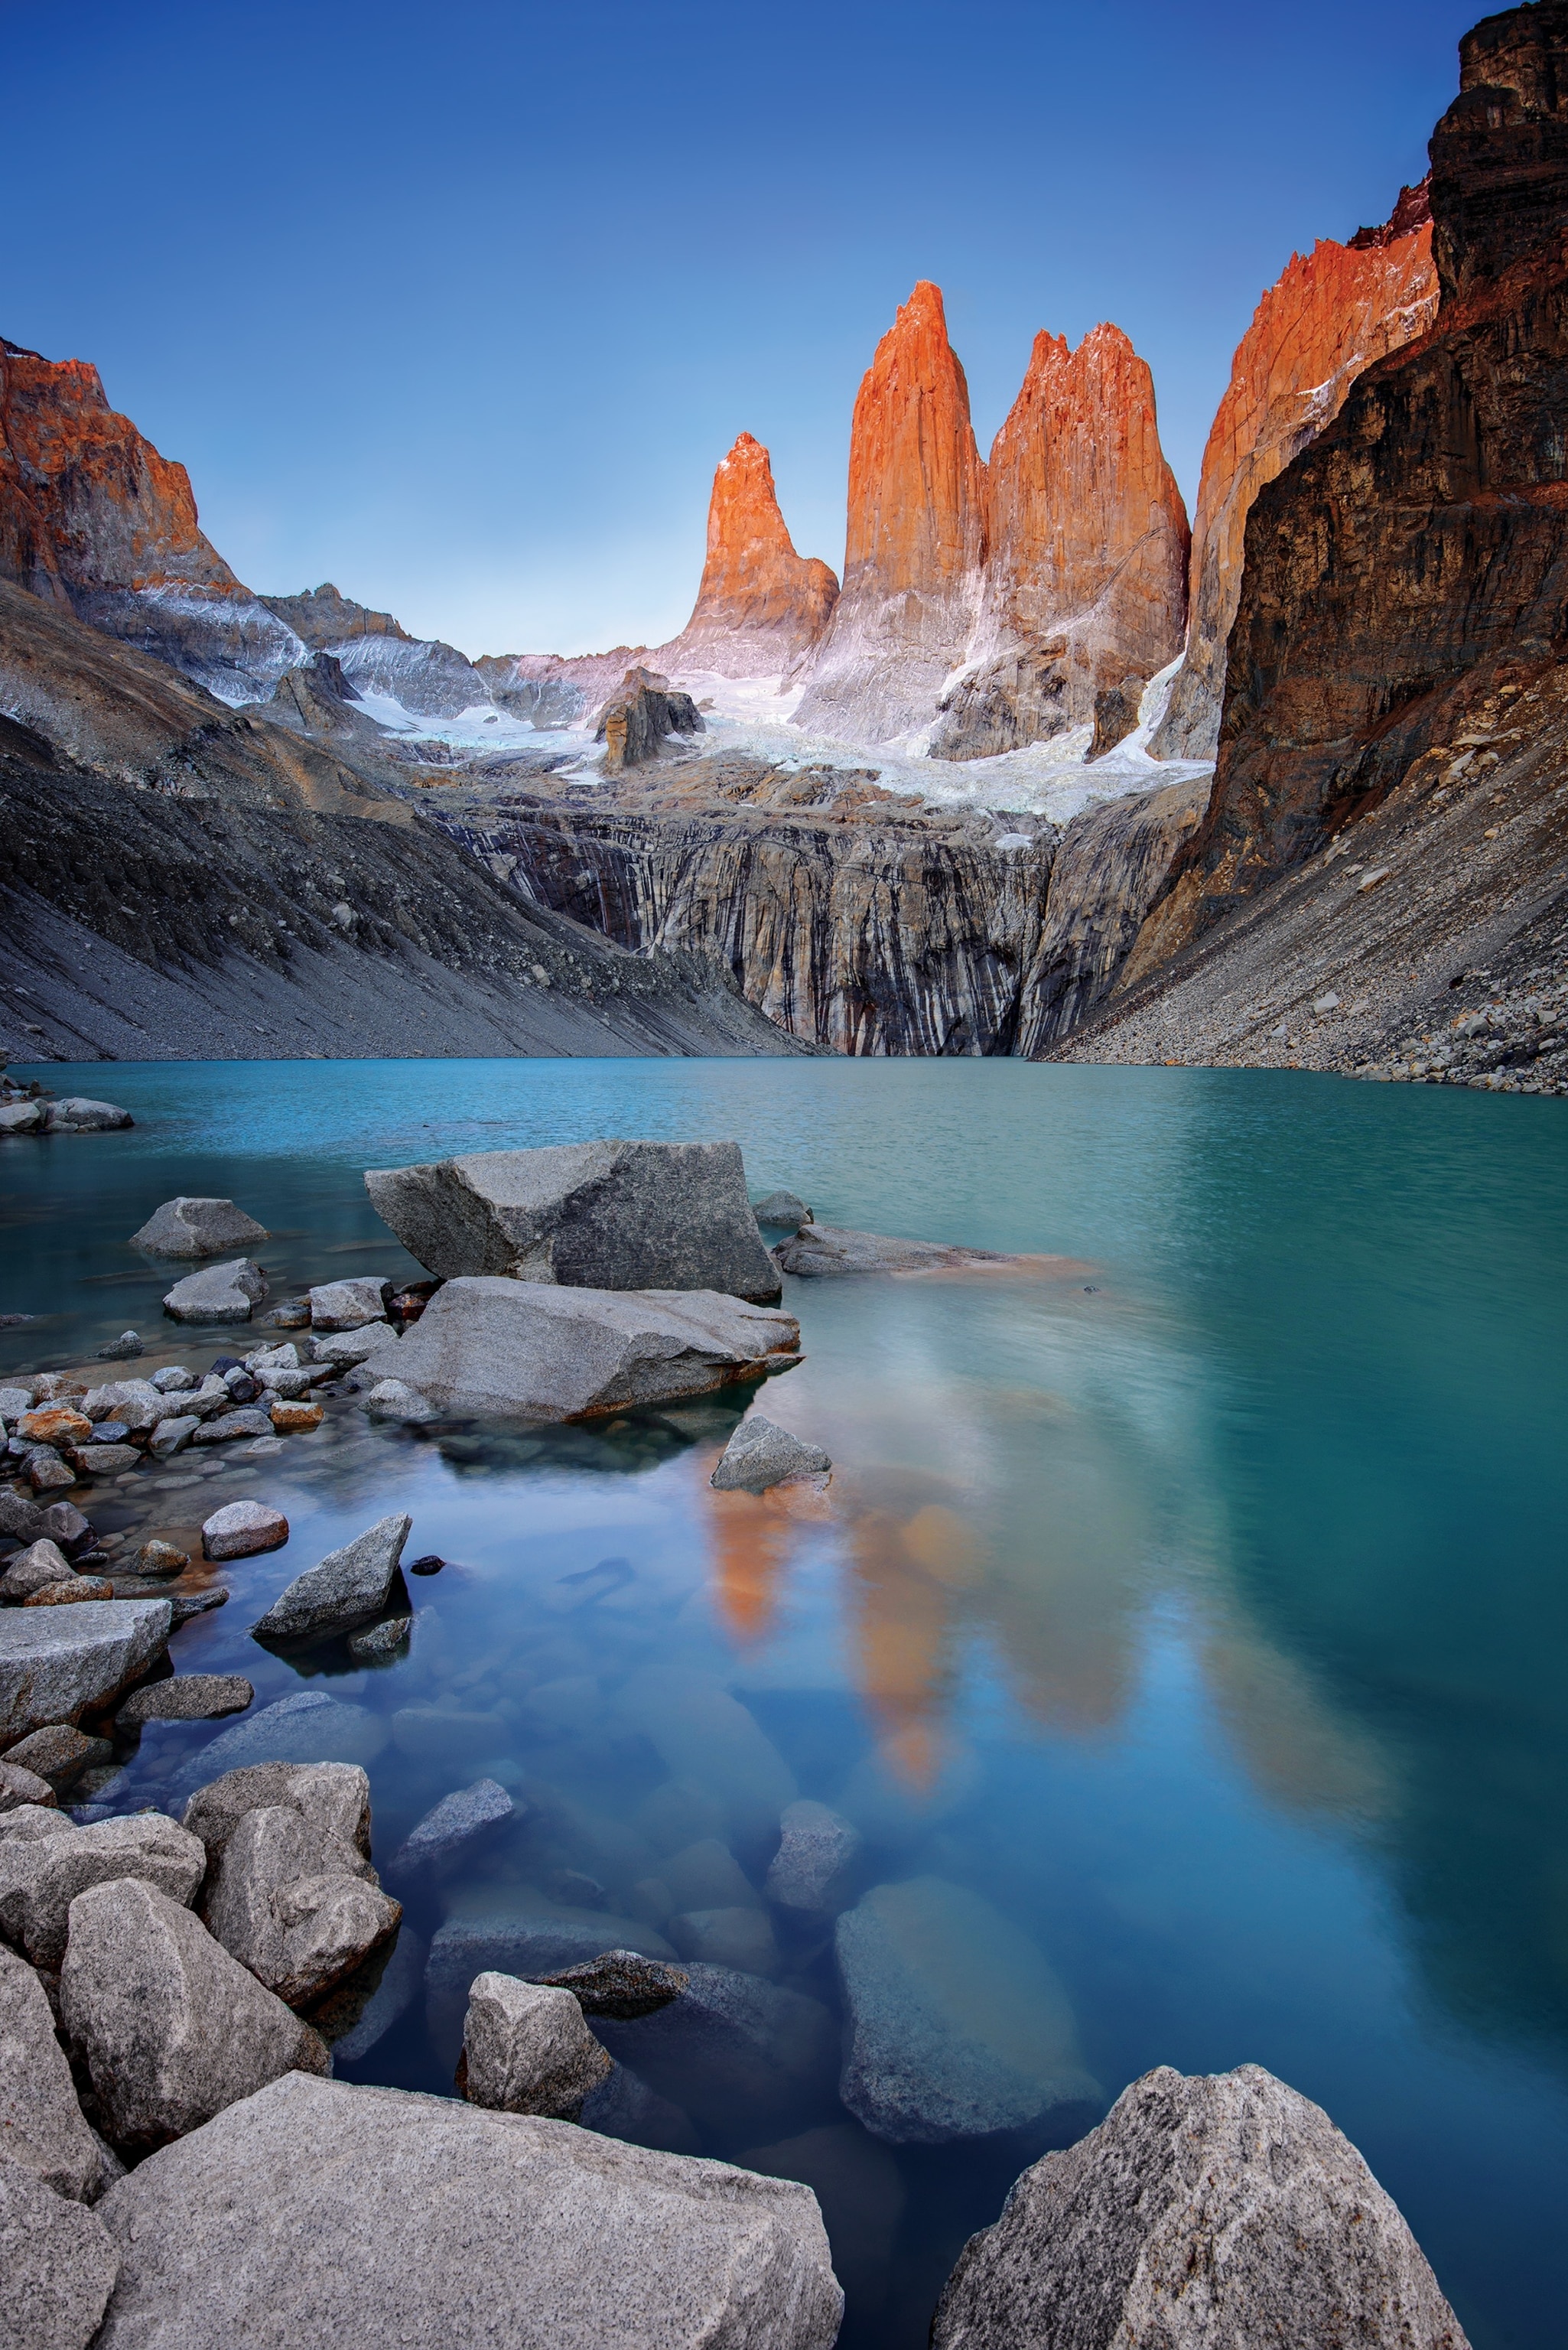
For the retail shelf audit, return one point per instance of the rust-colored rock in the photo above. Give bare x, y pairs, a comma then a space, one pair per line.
760, 604
915, 545
1087, 549
95, 521
1329, 315
1408, 574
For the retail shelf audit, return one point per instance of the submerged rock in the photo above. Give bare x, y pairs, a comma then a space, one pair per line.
535, 1948
219, 1293
760, 1455
814, 1866
527, 2049
592, 1215
446, 2224
184, 1227
55, 1663
827, 1250
1222, 2208
402, 1977
244, 1530
491, 1347
621, 1984
733, 2047
186, 1696
58, 2262
452, 1828
309, 1727
957, 2026
170, 2028
348, 1587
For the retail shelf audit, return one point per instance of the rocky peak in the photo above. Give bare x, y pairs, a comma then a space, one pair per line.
760, 604
915, 543
1499, 155
1412, 211
1329, 315
321, 617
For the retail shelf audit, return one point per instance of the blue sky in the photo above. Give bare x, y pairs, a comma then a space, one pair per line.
459, 306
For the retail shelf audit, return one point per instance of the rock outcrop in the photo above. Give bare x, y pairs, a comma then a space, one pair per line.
759, 604
93, 520
1087, 545
1222, 2208
636, 722
915, 545
1413, 561
321, 618
1329, 315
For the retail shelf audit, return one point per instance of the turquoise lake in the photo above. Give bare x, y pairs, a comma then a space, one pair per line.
1200, 1602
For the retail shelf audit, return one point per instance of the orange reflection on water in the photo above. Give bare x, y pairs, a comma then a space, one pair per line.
912, 1553
751, 1539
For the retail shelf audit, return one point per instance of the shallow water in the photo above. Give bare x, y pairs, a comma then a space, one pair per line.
1198, 1603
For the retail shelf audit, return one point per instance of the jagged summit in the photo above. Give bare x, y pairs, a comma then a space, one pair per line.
759, 604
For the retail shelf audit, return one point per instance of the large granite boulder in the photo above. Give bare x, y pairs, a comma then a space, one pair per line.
734, 2050
39, 1880
527, 2049
348, 1587
759, 1456
59, 2263
219, 1293
170, 2028
1224, 2209
298, 1905
19, 1787
362, 2217
491, 1347
957, 2026
827, 1252
333, 1799
185, 1227
79, 1114
593, 1215
55, 1663
348, 1305
41, 2123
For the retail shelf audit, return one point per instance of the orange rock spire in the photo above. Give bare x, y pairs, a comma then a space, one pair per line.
760, 604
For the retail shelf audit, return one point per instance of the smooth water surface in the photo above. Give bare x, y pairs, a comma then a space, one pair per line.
1200, 1602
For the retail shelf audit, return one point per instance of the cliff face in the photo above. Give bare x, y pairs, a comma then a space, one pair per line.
1413, 563
760, 604
1088, 552
1330, 315
321, 618
915, 545
94, 520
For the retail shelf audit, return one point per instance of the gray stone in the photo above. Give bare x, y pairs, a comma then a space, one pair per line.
814, 1866
244, 1530
31, 1823
622, 1984
172, 1435
447, 2224
348, 1305
497, 1348
263, 1362
349, 1586
41, 2123
170, 2028
593, 1215
21, 1117
624, 2107
394, 1400
60, 1754
759, 1455
212, 1397
379, 1641
827, 1250
332, 1798
123, 1349
107, 1460
58, 2262
219, 1293
46, 1472
77, 1113
160, 1558
707, 1738
733, 2048
453, 1828
39, 1880
400, 1984
527, 2049
32, 1569
957, 2026
1224, 2207
738, 1936
227, 1427
185, 1227
297, 1903
781, 1208
174, 1378
20, 1520
18, 1787
55, 1663
350, 1347
533, 1948
186, 1604
308, 1727
186, 1696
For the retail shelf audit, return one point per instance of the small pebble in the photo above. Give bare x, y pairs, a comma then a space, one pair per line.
430, 1564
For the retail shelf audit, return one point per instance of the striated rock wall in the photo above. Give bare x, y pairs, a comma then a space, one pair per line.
94, 520
759, 604
1330, 315
1415, 559
915, 545
1085, 581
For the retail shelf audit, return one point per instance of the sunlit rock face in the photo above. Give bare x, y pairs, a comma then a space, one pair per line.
1328, 317
1086, 575
94, 520
915, 545
760, 604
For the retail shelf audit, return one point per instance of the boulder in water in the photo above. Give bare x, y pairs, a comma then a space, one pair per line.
219, 1293
187, 1227
527, 2049
760, 1455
